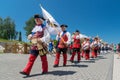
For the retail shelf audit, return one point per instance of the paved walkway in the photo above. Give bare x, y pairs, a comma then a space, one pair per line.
116, 68
98, 69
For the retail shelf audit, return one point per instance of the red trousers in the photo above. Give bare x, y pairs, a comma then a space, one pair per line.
94, 53
30, 63
73, 55
56, 62
87, 54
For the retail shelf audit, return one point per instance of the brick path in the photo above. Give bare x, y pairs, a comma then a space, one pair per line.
100, 69
116, 68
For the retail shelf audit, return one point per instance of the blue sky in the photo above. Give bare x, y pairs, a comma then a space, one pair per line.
91, 17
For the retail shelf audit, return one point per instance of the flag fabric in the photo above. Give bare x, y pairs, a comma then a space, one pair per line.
83, 36
51, 24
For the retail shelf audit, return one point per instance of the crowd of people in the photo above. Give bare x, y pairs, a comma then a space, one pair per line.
84, 48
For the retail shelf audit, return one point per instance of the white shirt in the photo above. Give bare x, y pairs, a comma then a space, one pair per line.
85, 44
46, 36
94, 43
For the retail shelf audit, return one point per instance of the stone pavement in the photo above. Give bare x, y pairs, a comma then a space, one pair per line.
116, 68
98, 69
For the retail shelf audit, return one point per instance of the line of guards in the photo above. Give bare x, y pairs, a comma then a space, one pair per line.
40, 36
85, 49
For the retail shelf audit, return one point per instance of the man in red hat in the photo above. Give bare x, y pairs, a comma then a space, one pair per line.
39, 37
76, 46
64, 39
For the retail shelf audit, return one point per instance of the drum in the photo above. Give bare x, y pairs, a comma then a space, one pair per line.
42, 47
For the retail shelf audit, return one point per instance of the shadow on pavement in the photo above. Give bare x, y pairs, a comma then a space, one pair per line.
57, 73
33, 75
89, 61
61, 73
75, 65
83, 66
100, 57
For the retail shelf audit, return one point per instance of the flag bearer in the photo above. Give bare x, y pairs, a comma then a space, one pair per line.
39, 37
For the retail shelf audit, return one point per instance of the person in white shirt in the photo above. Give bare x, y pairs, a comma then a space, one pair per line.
86, 48
64, 39
76, 46
94, 46
39, 37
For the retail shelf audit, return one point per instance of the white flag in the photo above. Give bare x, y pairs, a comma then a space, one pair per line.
51, 23
83, 36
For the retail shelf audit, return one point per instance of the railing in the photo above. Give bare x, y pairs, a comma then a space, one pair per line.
16, 48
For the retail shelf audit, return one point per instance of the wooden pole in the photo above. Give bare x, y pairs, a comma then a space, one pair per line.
14, 48
57, 32
25, 48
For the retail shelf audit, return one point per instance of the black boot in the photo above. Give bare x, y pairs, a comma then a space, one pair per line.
23, 73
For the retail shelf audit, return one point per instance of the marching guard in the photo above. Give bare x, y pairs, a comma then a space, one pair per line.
86, 48
76, 46
94, 47
64, 39
39, 37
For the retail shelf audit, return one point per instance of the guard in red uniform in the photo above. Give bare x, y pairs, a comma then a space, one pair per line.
94, 46
82, 51
86, 48
76, 46
39, 35
64, 39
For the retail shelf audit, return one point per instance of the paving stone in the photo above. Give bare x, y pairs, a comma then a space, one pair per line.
12, 64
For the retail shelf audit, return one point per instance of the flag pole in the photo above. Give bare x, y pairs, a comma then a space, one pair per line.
57, 32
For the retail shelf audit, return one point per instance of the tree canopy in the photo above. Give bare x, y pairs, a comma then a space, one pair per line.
7, 29
29, 26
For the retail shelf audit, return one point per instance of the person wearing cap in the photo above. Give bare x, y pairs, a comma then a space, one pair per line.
94, 46
86, 48
76, 46
64, 39
39, 37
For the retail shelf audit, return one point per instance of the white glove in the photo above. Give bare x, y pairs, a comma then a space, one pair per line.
29, 36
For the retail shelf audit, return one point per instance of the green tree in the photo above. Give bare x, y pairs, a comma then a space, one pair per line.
20, 36
8, 28
16, 35
29, 26
1, 27
12, 30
